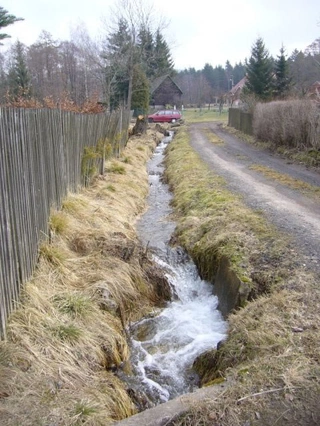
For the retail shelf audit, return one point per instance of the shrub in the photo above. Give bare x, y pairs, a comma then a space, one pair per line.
294, 123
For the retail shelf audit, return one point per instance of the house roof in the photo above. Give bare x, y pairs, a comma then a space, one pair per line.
158, 81
238, 86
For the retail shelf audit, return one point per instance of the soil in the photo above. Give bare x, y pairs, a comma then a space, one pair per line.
289, 210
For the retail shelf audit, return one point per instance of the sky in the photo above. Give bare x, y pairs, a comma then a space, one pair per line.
198, 31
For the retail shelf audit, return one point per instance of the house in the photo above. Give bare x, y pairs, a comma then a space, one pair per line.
233, 96
164, 91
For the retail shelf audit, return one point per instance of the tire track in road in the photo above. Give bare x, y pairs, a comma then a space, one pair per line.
289, 210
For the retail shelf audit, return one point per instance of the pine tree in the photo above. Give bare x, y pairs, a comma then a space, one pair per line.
118, 54
163, 59
6, 20
259, 72
19, 79
239, 71
147, 52
282, 81
208, 72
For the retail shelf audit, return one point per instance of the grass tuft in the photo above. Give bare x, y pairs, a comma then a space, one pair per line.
58, 222
111, 188
286, 180
67, 332
52, 254
73, 304
116, 168
84, 409
74, 203
126, 160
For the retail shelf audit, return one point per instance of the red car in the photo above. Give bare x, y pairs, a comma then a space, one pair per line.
165, 116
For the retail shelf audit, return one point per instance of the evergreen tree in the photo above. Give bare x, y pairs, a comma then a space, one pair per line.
239, 71
147, 52
6, 20
19, 79
259, 72
221, 82
208, 73
163, 59
282, 81
118, 54
229, 74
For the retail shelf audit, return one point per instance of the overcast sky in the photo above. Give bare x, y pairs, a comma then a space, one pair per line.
199, 31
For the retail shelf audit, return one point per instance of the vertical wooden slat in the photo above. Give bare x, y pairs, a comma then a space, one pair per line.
40, 161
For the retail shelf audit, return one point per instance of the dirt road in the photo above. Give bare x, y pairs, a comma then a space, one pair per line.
288, 209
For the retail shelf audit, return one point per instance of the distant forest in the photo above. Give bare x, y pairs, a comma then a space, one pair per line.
79, 69
204, 86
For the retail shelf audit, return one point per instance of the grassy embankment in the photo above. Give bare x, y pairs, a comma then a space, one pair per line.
270, 358
67, 335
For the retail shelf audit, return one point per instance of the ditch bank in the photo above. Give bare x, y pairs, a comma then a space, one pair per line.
67, 338
269, 355
267, 370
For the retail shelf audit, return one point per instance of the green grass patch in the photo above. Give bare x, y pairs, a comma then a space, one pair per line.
58, 222
213, 138
52, 254
309, 157
72, 204
116, 168
213, 222
126, 160
111, 188
265, 349
73, 304
198, 115
285, 179
67, 332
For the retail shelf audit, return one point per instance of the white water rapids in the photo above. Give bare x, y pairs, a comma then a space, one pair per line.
165, 344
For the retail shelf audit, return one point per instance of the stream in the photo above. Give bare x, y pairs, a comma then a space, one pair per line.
165, 344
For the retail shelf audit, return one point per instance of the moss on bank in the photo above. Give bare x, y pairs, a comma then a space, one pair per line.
213, 223
270, 359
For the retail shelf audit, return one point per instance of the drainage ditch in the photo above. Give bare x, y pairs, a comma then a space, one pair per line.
165, 344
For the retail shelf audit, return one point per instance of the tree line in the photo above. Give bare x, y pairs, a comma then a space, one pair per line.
115, 71
119, 69
267, 77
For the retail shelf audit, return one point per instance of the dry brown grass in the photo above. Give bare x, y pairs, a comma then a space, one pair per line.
286, 180
270, 361
213, 137
67, 334
293, 123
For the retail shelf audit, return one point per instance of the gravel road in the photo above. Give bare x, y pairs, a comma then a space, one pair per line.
289, 210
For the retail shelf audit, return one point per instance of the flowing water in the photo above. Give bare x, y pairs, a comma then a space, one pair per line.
165, 344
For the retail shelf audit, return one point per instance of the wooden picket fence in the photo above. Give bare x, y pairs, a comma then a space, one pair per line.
42, 153
240, 120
